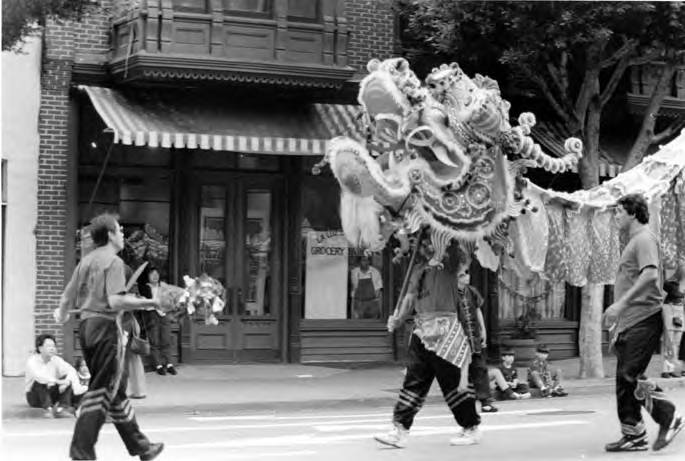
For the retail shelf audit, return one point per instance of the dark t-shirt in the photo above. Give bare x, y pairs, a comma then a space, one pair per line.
99, 275
435, 290
510, 374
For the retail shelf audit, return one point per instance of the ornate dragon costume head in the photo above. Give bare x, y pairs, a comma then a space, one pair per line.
454, 165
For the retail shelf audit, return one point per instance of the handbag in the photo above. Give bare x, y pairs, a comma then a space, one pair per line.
139, 345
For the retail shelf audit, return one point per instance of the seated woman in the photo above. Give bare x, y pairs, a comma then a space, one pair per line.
49, 379
504, 379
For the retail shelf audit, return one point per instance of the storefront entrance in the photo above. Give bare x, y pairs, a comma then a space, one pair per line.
235, 235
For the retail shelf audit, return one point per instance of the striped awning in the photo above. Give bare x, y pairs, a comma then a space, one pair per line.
180, 120
551, 136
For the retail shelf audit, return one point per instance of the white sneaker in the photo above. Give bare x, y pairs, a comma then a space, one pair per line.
397, 437
468, 436
524, 396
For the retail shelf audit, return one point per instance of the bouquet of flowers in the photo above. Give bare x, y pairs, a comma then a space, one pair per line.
171, 300
204, 295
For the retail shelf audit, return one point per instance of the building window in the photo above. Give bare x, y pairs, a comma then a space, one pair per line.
192, 6
307, 10
258, 7
340, 281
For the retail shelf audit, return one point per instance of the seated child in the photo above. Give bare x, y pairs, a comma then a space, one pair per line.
81, 381
504, 379
540, 377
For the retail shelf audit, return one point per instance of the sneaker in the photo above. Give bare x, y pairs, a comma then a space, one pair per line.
152, 452
559, 392
171, 370
546, 392
160, 370
397, 437
60, 412
524, 396
665, 374
667, 434
674, 374
48, 414
468, 436
629, 443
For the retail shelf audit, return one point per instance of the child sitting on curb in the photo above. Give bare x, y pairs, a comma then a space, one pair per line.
540, 377
504, 379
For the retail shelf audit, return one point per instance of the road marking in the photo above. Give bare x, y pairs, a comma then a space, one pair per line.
337, 416
381, 418
309, 439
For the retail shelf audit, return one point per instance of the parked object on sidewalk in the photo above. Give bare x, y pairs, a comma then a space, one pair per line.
48, 379
637, 320
504, 379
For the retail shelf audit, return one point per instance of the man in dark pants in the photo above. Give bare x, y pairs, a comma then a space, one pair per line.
98, 290
635, 322
433, 293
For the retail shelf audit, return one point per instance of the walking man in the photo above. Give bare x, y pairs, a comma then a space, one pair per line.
438, 348
636, 324
98, 290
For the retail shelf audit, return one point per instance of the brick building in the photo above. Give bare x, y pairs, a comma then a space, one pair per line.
198, 122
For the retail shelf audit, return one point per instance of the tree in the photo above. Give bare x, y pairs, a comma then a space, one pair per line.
572, 56
21, 17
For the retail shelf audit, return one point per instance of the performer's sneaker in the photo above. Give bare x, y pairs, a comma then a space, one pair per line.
397, 437
152, 452
629, 443
171, 370
668, 433
161, 370
468, 436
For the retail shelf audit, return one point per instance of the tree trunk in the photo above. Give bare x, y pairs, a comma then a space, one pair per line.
590, 332
589, 164
644, 137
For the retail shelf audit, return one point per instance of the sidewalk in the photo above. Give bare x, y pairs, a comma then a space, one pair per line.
257, 388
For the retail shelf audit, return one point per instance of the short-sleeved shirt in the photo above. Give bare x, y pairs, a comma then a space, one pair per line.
509, 373
435, 290
372, 273
641, 252
99, 275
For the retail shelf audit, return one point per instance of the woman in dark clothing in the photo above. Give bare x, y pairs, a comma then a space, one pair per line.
158, 327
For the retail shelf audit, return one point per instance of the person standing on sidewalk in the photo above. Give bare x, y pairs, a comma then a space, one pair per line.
673, 323
635, 322
158, 328
438, 348
471, 315
97, 288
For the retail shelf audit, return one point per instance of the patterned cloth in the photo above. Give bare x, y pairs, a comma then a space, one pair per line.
669, 229
556, 263
604, 247
444, 335
579, 241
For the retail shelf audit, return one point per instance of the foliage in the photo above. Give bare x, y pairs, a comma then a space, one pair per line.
572, 55
21, 17
525, 326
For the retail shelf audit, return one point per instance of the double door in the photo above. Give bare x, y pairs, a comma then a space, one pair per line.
235, 236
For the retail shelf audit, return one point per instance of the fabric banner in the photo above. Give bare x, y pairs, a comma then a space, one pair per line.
445, 336
326, 276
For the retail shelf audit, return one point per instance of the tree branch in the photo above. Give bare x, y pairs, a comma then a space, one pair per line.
672, 129
540, 82
616, 76
561, 83
627, 48
644, 59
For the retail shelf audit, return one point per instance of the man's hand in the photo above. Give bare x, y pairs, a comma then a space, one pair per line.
484, 343
393, 323
610, 316
60, 316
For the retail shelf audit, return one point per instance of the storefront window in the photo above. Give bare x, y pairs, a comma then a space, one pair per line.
303, 9
212, 238
258, 252
340, 281
247, 6
518, 294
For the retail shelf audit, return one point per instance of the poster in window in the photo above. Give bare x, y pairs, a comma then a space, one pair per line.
326, 275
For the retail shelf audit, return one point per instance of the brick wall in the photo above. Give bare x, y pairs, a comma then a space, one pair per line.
64, 42
372, 31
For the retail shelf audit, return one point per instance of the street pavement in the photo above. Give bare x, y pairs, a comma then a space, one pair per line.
571, 428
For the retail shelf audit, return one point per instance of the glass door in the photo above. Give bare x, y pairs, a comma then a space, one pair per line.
238, 243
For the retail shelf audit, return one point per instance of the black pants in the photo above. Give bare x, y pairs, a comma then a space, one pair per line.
478, 377
42, 396
634, 349
99, 344
422, 368
159, 334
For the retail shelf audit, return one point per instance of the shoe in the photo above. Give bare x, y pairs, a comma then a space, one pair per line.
397, 437
546, 392
629, 443
559, 392
524, 396
666, 434
48, 413
682, 373
160, 370
674, 374
488, 408
171, 370
60, 412
152, 452
665, 374
468, 436
137, 396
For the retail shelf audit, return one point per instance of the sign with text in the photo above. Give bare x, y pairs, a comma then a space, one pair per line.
326, 276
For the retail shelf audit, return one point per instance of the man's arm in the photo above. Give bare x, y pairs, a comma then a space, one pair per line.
68, 299
131, 302
481, 322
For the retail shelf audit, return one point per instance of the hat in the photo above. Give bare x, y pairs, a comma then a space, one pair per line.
507, 352
542, 348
